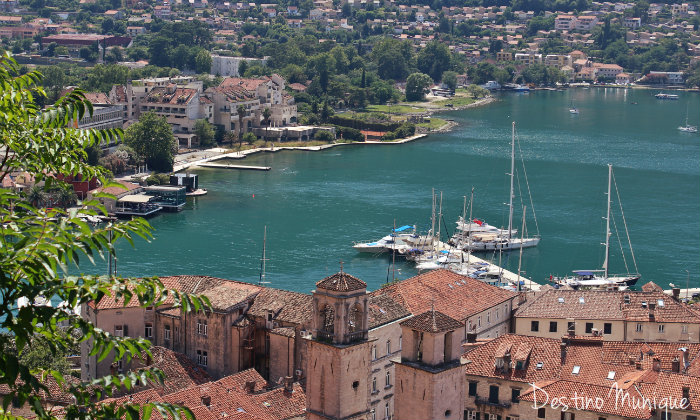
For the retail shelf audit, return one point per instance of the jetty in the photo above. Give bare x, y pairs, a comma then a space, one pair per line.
227, 166
509, 276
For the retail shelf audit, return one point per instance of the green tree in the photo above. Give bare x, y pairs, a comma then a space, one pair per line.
417, 85
205, 133
241, 111
434, 59
392, 58
40, 245
449, 78
202, 61
152, 138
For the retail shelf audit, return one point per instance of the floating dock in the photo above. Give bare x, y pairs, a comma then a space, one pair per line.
226, 166
505, 274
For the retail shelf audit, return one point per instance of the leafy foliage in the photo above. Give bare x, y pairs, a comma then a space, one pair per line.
417, 85
37, 247
152, 138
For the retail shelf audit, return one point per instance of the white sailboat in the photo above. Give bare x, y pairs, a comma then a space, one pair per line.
506, 240
687, 128
601, 278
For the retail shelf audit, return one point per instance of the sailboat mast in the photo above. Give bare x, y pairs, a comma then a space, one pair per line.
522, 237
607, 224
439, 220
432, 217
262, 281
512, 175
469, 233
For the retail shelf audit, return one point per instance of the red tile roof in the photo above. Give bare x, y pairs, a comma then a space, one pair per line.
248, 84
286, 306
341, 282
568, 392
456, 296
432, 322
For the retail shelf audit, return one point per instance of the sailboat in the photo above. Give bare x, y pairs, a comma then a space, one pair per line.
687, 128
573, 109
601, 278
507, 240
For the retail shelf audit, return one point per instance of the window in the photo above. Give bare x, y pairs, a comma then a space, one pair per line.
553, 326
119, 330
149, 330
472, 389
493, 394
488, 318
686, 393
541, 413
607, 328
571, 326
149, 308
515, 396
576, 370
684, 329
374, 352
661, 303
534, 325
400, 342
120, 366
589, 327
355, 385
386, 411
177, 334
388, 346
581, 300
539, 365
661, 328
478, 321
471, 415
611, 375
640, 327
374, 414
201, 327
627, 299
388, 378
166, 333
201, 358
374, 384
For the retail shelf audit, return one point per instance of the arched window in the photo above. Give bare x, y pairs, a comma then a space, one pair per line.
328, 315
355, 318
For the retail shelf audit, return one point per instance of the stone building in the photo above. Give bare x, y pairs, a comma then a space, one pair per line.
615, 315
429, 375
339, 350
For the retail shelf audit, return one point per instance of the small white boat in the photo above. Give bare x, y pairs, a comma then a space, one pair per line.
667, 96
688, 128
394, 241
573, 110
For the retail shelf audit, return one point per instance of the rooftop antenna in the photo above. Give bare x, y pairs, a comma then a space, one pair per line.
262, 281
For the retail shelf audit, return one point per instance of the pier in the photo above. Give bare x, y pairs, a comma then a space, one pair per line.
226, 166
509, 276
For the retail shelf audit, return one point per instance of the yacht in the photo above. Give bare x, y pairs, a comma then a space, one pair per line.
398, 239
665, 96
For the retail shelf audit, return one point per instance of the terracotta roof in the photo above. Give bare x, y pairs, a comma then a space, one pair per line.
341, 282
228, 294
544, 361
116, 191
566, 391
456, 296
248, 84
651, 286
433, 322
607, 305
291, 307
161, 95
180, 372
383, 309
55, 394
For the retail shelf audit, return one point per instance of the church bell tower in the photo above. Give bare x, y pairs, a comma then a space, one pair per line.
338, 358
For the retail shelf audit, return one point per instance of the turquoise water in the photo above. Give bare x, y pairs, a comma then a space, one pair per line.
315, 204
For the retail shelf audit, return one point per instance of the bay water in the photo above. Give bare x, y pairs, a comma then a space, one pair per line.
316, 204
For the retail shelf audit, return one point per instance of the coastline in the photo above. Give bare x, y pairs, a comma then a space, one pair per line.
221, 153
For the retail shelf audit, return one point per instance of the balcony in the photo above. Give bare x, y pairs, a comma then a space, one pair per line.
355, 336
493, 403
325, 336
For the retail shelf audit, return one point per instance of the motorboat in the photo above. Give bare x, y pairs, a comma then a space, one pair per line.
398, 238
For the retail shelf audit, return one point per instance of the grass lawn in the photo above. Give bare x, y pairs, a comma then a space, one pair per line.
456, 101
434, 123
395, 109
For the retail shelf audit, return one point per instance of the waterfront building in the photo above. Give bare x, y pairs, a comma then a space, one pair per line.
613, 315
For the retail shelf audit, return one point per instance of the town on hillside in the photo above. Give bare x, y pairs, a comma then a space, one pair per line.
107, 102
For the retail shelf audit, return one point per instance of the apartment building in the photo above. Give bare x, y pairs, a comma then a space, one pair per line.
612, 315
565, 22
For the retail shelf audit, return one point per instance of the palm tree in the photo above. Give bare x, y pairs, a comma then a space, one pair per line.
266, 118
66, 196
241, 113
36, 196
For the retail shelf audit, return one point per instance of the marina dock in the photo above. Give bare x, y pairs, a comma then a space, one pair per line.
506, 275
224, 166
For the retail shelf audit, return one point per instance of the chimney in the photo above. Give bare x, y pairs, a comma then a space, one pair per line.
638, 365
562, 346
471, 338
656, 366
685, 360
206, 400
676, 293
676, 365
249, 387
288, 384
